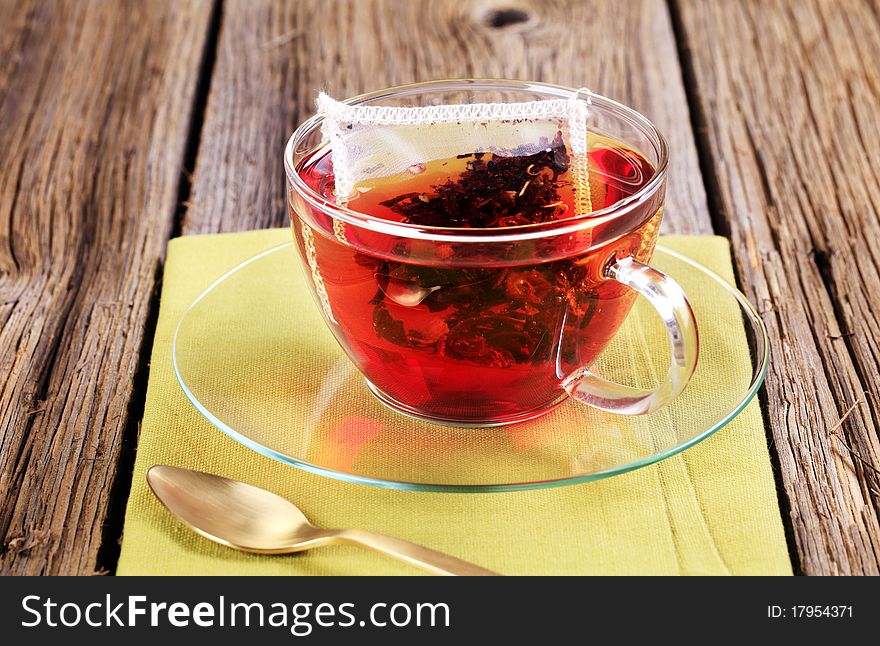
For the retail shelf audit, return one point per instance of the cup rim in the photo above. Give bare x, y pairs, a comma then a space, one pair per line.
501, 234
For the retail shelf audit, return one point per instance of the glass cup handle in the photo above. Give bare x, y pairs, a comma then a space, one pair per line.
671, 304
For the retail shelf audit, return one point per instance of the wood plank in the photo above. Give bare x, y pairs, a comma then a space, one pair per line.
274, 56
96, 100
790, 93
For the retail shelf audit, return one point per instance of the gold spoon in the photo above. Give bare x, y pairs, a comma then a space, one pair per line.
251, 519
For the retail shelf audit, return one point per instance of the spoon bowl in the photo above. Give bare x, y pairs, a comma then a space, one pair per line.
230, 512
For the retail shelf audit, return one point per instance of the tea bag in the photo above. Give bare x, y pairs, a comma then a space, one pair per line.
515, 150
484, 164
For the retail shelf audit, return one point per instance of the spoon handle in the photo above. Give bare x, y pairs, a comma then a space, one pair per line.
427, 559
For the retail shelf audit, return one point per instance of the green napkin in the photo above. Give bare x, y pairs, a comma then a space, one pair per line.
709, 510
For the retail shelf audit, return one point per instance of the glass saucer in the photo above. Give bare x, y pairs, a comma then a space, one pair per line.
254, 356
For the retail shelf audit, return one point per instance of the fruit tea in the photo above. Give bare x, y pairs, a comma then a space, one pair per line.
487, 343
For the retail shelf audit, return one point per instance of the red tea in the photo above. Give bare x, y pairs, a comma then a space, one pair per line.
477, 341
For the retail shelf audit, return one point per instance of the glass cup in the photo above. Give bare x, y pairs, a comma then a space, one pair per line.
480, 327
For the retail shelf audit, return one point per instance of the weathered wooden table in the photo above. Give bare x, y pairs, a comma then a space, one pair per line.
123, 124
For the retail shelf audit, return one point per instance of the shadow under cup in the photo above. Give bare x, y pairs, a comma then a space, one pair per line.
483, 326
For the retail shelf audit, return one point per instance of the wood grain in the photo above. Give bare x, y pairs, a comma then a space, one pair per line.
96, 100
274, 56
790, 95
